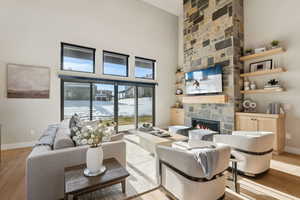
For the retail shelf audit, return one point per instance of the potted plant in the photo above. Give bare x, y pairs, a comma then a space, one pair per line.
275, 44
248, 52
93, 136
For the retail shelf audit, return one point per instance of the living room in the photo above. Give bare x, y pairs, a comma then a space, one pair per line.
146, 88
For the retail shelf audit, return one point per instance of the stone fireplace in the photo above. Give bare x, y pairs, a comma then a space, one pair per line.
213, 34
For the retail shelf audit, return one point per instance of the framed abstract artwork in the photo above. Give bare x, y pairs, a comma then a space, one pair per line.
25, 81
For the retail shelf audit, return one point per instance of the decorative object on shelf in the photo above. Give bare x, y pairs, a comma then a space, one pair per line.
272, 84
178, 104
179, 92
274, 108
261, 65
260, 50
253, 85
248, 52
28, 81
246, 84
275, 44
179, 69
270, 52
249, 105
93, 136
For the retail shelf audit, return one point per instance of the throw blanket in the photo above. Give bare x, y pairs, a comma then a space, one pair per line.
207, 157
48, 136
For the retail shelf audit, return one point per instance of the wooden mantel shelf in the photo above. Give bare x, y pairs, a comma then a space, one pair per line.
217, 99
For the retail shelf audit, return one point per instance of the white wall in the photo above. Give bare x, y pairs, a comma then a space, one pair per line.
267, 20
31, 32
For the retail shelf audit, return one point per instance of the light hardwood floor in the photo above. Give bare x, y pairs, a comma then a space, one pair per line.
282, 182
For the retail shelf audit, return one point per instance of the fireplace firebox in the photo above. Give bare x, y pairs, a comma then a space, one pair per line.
206, 124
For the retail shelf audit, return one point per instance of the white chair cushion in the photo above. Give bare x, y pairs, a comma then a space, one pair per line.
249, 141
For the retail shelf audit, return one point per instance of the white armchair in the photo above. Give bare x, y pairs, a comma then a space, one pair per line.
181, 175
253, 149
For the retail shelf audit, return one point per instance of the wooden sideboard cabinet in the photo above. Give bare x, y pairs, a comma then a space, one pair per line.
177, 116
264, 122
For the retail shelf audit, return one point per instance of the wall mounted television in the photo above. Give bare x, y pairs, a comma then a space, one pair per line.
204, 81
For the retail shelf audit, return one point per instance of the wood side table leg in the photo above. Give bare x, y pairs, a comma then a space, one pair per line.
123, 184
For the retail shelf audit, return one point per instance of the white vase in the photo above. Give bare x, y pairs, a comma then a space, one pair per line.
94, 159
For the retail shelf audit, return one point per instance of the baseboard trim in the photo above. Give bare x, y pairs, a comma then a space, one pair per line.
292, 150
17, 145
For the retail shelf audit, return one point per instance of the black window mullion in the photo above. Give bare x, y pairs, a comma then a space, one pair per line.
153, 106
91, 101
62, 100
116, 106
136, 107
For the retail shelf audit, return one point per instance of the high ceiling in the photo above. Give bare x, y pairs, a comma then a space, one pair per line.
172, 6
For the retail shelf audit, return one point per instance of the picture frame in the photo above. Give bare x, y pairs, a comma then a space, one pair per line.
261, 65
27, 81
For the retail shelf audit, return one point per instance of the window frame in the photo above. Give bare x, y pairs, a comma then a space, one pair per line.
116, 83
118, 54
62, 44
153, 67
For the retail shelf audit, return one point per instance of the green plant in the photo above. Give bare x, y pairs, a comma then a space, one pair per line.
275, 43
248, 51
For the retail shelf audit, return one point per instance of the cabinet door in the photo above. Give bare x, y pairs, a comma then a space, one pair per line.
245, 123
269, 125
177, 116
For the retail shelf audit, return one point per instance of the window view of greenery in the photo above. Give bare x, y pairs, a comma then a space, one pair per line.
145, 105
77, 58
115, 64
144, 68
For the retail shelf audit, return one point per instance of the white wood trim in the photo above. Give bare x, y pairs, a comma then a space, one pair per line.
292, 150
17, 145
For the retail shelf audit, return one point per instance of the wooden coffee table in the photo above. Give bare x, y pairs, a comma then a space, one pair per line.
76, 184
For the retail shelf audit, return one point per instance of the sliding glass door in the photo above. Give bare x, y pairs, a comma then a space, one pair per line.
103, 102
126, 107
145, 105
77, 99
130, 105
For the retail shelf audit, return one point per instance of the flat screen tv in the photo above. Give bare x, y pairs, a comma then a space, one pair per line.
204, 81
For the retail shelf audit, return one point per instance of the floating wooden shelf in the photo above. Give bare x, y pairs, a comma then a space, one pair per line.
218, 99
180, 73
264, 72
262, 91
263, 54
276, 116
179, 84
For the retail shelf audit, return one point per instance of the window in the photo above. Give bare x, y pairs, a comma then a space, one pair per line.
145, 105
76, 99
144, 68
130, 104
77, 58
115, 64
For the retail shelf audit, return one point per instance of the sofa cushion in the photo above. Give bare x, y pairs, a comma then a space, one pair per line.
48, 136
63, 139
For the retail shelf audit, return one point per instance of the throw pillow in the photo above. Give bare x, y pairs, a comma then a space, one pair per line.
63, 139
